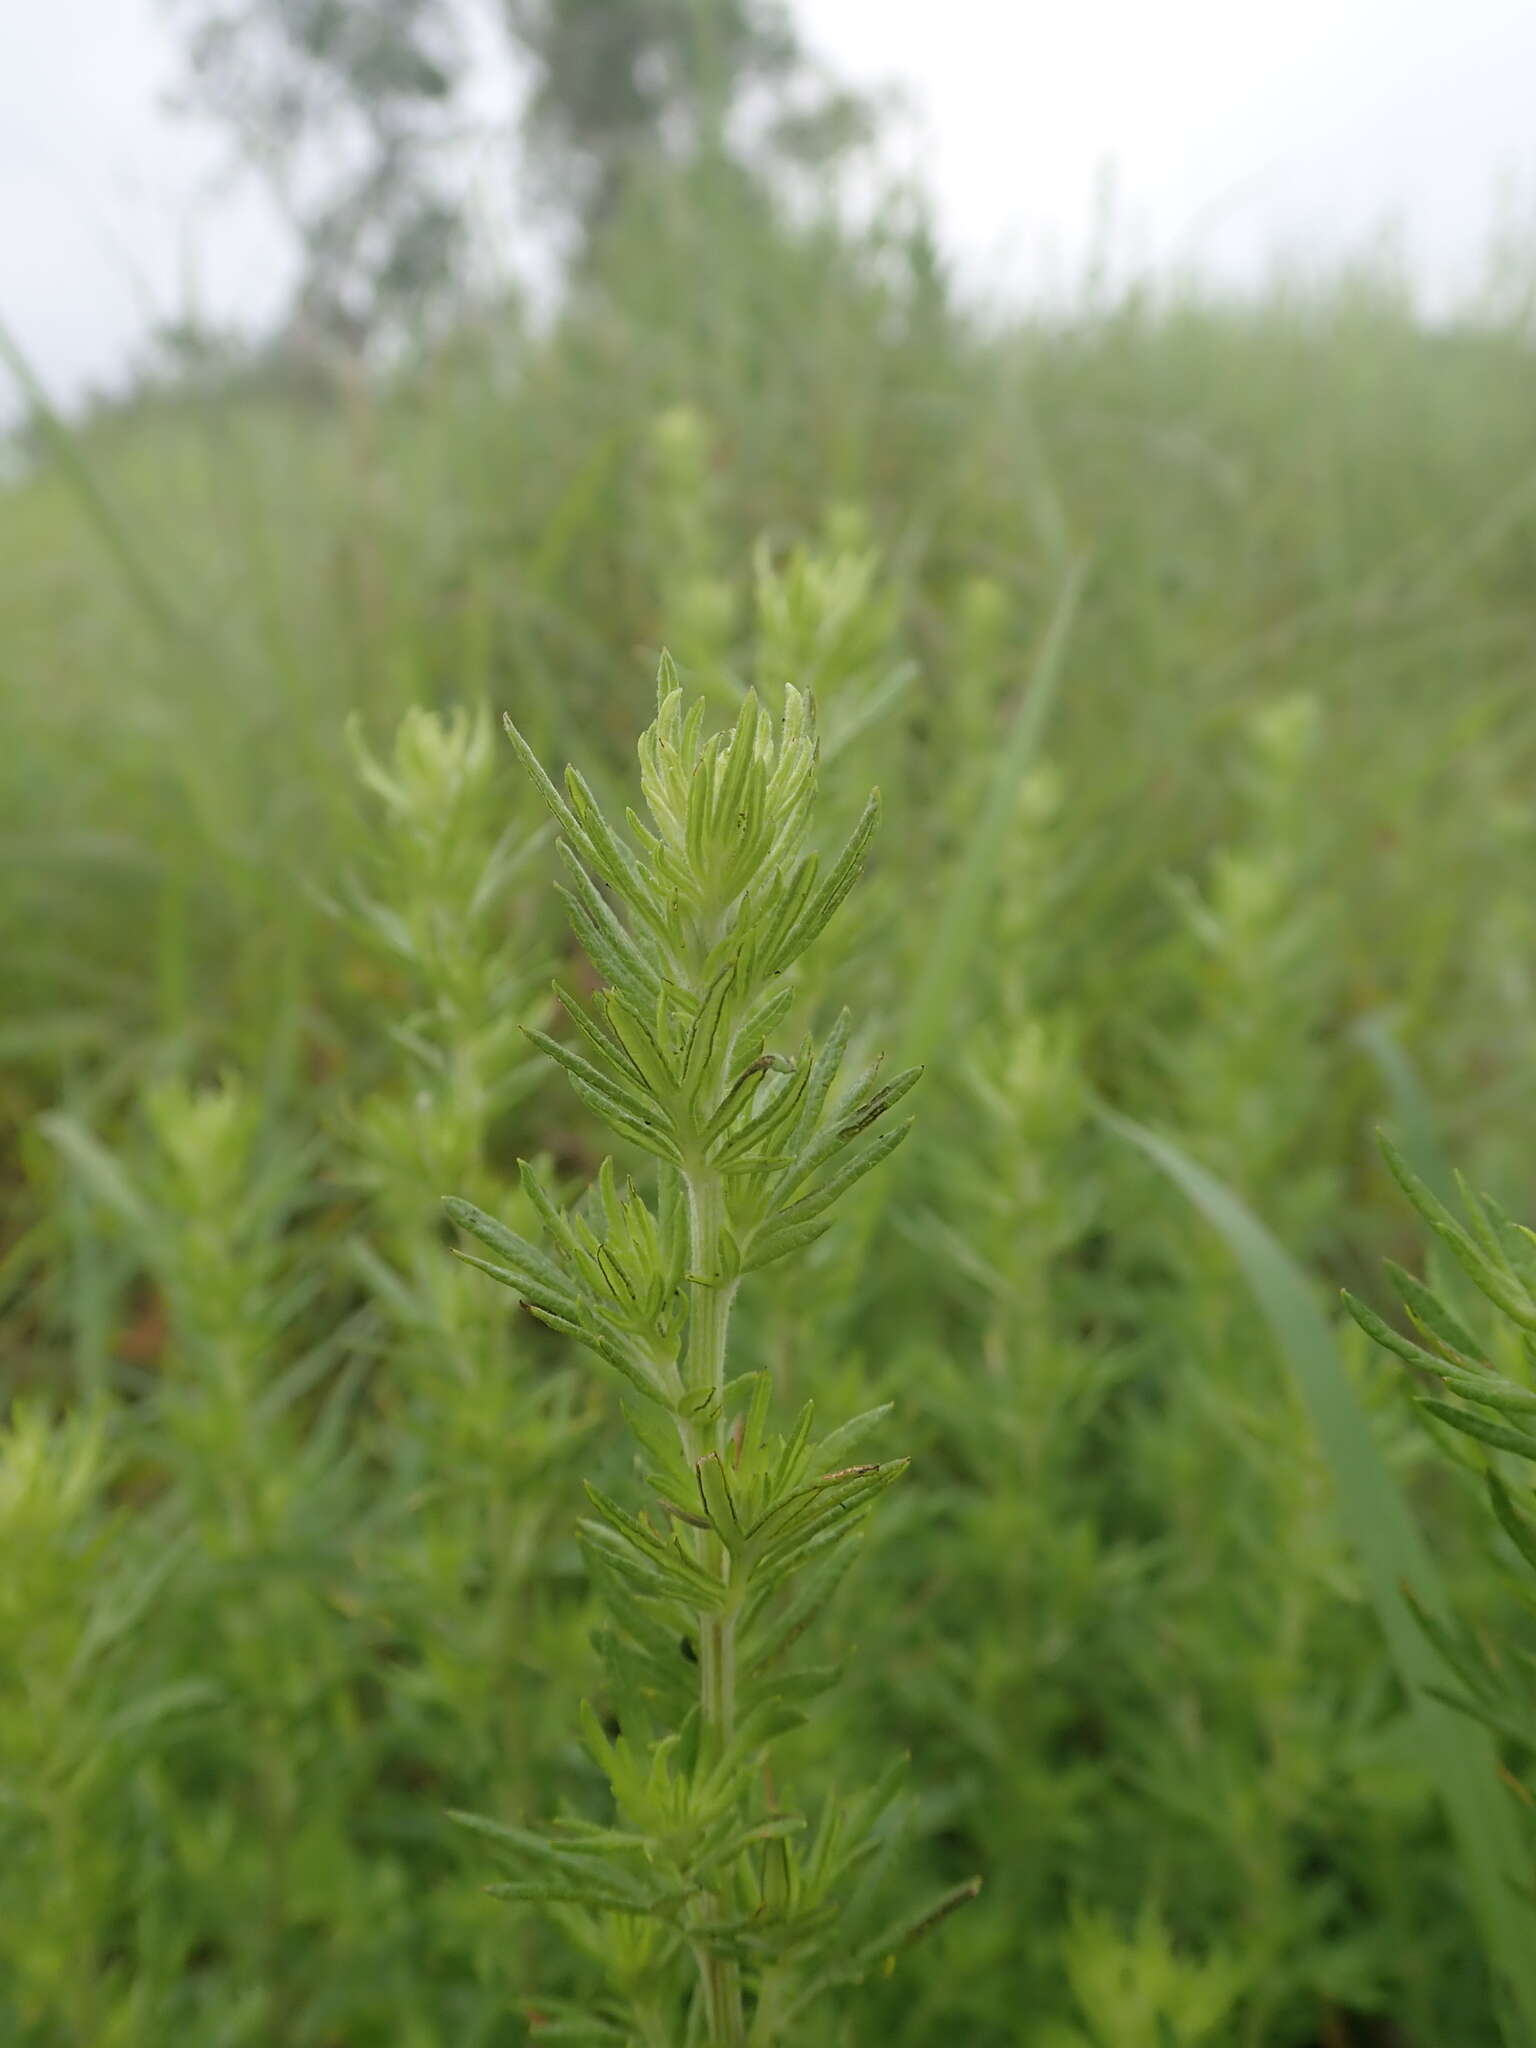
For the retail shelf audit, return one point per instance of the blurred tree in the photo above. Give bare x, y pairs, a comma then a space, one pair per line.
621, 86
350, 109
345, 107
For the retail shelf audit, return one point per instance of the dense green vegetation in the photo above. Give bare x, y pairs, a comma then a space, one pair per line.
1193, 649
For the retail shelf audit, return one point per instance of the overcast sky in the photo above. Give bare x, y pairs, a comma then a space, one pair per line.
1234, 133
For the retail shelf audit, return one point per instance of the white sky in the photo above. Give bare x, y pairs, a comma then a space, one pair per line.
1234, 131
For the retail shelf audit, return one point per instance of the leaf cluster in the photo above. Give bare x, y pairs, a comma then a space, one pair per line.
694, 920
721, 898
1479, 1401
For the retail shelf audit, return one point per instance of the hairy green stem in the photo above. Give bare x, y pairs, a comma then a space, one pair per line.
708, 1326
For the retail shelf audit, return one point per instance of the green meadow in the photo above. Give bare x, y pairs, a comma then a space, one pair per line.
1192, 648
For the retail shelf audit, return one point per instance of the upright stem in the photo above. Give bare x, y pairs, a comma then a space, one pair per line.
709, 1317
709, 1309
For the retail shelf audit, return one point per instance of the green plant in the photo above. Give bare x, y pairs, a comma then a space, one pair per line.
1395, 1565
695, 596
1112, 1615
443, 903
241, 1456
79, 1720
827, 622
1135, 1989
440, 905
710, 1892
1264, 976
1479, 1387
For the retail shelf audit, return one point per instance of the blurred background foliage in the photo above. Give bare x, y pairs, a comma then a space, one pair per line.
1193, 646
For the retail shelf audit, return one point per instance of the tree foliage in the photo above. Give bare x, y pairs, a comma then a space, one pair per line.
352, 111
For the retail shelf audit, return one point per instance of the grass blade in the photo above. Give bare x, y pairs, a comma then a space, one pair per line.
1458, 1756
1413, 1113
112, 531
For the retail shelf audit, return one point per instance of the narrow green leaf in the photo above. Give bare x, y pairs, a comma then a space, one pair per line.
98, 1169
626, 1097
1489, 1389
565, 817
771, 1244
913, 1926
824, 905
1498, 1434
833, 1449
1392, 1556
714, 1488
1520, 1531
1431, 1313
639, 1376
1499, 1287
640, 1131
1381, 1332
516, 1251
863, 1159
537, 1293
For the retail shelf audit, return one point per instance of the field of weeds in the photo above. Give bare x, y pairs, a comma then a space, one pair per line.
1193, 653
